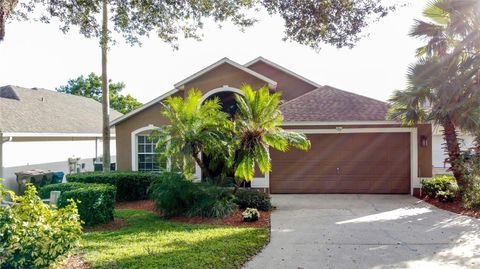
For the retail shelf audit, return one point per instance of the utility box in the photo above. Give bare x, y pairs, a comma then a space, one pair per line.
37, 177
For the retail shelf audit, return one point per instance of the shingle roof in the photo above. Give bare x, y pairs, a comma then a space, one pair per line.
44, 111
330, 104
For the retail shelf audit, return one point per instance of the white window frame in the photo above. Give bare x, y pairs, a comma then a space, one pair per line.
134, 145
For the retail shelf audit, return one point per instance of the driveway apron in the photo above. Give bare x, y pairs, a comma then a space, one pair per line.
367, 231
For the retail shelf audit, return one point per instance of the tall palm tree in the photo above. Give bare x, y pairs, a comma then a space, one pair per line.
194, 128
257, 128
450, 25
445, 76
454, 96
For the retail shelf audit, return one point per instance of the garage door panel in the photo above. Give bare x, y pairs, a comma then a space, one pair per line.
305, 168
367, 163
306, 186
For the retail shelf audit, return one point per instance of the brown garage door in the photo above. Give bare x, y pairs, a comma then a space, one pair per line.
345, 163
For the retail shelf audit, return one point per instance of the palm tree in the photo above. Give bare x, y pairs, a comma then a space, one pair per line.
194, 128
450, 25
445, 76
256, 129
454, 96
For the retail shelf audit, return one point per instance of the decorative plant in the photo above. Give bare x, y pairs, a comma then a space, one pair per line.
257, 129
34, 236
250, 215
445, 196
194, 128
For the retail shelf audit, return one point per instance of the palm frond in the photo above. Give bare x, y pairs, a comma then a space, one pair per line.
246, 167
262, 156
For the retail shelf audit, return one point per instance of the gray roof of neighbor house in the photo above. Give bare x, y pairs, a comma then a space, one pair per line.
24, 110
330, 104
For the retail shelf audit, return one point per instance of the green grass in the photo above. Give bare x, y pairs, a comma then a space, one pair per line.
150, 242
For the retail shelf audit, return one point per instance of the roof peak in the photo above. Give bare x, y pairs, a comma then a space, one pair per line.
225, 60
281, 68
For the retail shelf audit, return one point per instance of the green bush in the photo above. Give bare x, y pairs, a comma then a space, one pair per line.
445, 196
471, 196
34, 236
443, 183
212, 202
131, 186
96, 201
44, 191
176, 196
250, 215
248, 198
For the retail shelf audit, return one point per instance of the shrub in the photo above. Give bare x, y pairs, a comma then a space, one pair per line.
445, 196
96, 201
250, 215
131, 186
213, 202
471, 196
176, 196
246, 198
173, 194
34, 236
439, 183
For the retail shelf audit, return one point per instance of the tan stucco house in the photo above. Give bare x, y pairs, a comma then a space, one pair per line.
354, 148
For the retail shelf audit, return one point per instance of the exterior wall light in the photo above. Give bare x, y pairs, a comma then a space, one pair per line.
423, 141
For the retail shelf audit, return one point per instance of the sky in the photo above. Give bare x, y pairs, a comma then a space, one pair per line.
39, 55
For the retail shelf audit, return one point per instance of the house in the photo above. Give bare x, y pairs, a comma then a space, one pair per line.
354, 149
42, 129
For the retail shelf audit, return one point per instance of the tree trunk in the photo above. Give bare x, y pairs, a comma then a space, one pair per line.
3, 20
202, 165
105, 91
6, 8
454, 155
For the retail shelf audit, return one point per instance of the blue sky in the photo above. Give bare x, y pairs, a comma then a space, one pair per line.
39, 55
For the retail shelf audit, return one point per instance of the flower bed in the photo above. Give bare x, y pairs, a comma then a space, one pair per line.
456, 206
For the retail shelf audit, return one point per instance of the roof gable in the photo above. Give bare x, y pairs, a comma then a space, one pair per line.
328, 104
271, 83
282, 69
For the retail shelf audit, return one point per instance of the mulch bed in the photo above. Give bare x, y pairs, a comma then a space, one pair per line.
234, 219
456, 206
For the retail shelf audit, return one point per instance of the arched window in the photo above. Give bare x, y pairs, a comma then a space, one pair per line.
144, 154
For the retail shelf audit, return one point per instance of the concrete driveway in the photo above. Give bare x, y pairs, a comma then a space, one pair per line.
367, 231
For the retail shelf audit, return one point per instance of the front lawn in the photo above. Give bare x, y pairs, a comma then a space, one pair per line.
150, 242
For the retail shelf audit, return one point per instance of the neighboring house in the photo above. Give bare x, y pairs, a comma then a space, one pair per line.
440, 166
41, 129
354, 149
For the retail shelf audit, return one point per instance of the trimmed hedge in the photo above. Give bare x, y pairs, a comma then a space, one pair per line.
248, 198
96, 201
131, 186
444, 183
